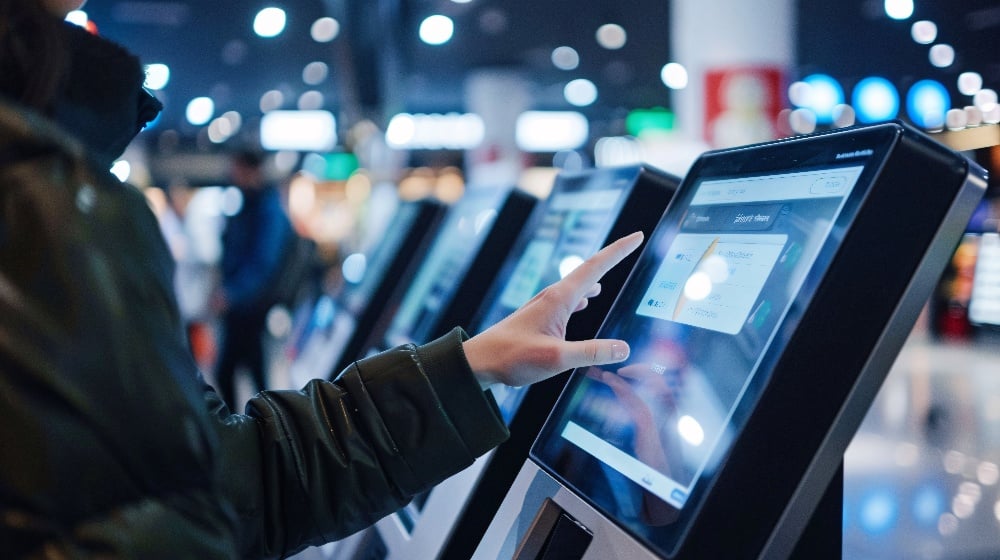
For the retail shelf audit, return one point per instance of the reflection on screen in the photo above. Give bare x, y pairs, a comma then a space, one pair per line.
709, 294
571, 230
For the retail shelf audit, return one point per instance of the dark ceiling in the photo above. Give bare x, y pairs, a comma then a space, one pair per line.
378, 66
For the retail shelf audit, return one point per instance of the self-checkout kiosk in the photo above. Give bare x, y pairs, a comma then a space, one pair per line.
762, 316
585, 211
339, 324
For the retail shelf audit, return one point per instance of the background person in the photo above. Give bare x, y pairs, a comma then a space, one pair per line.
254, 242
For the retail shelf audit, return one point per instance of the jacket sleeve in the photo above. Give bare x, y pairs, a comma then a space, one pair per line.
312, 466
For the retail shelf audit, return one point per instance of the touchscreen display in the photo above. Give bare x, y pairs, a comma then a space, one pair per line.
571, 229
699, 312
456, 244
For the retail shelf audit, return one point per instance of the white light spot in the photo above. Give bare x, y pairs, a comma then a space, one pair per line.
565, 58
569, 264
580, 92
698, 286
401, 130
324, 30
78, 17
969, 83
690, 430
200, 110
986, 100
942, 55
611, 36
121, 169
924, 32
269, 22
674, 75
899, 9
436, 30
157, 76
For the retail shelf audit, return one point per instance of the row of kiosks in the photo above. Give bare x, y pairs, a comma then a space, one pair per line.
584, 211
763, 314
338, 324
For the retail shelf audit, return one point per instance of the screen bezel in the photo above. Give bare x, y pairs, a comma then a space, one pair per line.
872, 146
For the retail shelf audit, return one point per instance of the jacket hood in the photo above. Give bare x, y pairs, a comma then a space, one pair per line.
103, 103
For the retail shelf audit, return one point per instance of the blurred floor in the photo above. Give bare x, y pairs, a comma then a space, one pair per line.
921, 475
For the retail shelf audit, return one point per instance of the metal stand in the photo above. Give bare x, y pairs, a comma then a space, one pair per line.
823, 538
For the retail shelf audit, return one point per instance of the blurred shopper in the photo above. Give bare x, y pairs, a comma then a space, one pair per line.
254, 243
196, 254
113, 445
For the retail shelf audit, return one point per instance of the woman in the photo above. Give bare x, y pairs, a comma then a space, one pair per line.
113, 445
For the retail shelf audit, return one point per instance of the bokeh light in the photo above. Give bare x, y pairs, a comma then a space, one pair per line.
437, 30
611, 36
580, 92
926, 104
565, 58
269, 22
157, 76
875, 99
899, 9
324, 30
200, 110
674, 75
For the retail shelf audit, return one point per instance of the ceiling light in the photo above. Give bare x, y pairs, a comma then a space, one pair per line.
324, 30
942, 55
580, 92
157, 76
437, 30
923, 32
674, 76
200, 110
899, 9
269, 22
565, 58
969, 83
611, 36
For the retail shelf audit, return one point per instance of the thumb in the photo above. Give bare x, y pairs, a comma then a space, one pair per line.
594, 352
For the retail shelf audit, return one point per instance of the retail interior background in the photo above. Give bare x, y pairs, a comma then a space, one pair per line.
935, 496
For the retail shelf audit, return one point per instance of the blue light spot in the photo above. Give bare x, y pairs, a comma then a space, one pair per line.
875, 100
926, 103
879, 511
825, 93
928, 505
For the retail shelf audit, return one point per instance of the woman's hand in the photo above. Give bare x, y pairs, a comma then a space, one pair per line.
530, 344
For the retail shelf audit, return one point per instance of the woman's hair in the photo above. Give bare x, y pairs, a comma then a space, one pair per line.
33, 58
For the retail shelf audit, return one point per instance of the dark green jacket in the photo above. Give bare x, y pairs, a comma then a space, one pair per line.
111, 443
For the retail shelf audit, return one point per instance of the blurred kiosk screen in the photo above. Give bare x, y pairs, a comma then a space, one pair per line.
473, 241
763, 315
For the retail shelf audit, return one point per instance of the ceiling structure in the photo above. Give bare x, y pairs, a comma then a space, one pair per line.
378, 66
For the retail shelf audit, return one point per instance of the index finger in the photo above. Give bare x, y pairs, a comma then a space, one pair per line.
594, 268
